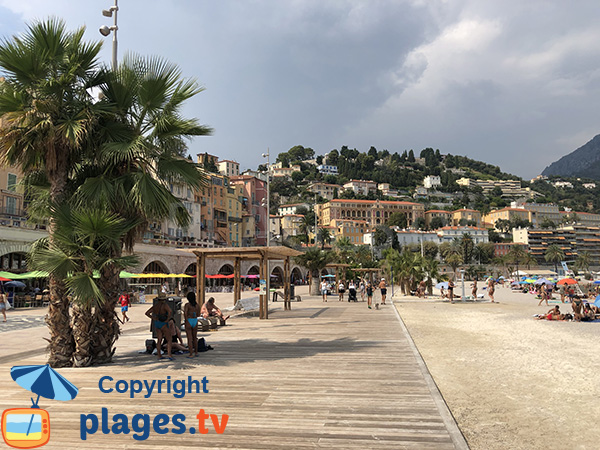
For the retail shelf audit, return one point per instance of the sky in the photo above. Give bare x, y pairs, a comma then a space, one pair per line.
512, 83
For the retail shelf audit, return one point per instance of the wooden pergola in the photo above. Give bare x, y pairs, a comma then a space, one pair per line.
369, 271
237, 254
337, 267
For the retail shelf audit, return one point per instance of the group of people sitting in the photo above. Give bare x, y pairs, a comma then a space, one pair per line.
167, 331
582, 312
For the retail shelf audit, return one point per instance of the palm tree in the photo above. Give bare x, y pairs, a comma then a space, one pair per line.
48, 114
143, 138
554, 254
324, 236
431, 271
83, 243
315, 260
516, 255
453, 254
583, 261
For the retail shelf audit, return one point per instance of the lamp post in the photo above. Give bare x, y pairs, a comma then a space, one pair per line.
105, 30
268, 224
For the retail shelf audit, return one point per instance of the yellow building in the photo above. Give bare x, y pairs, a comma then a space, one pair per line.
352, 229
235, 198
12, 207
291, 224
446, 216
466, 215
373, 212
507, 214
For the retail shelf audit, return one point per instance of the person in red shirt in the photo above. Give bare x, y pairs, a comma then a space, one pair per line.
124, 300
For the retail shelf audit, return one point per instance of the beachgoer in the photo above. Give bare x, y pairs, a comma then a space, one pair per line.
341, 290
451, 291
369, 290
383, 289
474, 290
210, 309
124, 301
3, 305
491, 288
562, 292
362, 288
160, 313
443, 292
191, 312
351, 290
175, 338
165, 288
422, 286
543, 295
324, 288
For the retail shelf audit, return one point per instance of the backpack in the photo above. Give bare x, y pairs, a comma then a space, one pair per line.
202, 346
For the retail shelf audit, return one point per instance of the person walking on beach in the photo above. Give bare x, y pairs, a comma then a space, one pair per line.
543, 295
3, 303
451, 291
324, 288
474, 289
124, 301
369, 290
383, 288
362, 288
491, 289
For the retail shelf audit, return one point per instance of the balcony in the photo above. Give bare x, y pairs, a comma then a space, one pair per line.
12, 212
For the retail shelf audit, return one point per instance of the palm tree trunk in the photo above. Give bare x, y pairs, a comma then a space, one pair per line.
106, 319
314, 283
83, 328
61, 345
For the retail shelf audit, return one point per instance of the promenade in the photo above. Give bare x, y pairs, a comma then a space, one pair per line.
324, 375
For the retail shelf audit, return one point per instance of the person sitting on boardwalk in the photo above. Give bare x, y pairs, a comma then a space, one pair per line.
160, 313
210, 309
191, 312
175, 338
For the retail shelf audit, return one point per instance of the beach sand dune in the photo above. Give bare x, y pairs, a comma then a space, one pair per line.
511, 382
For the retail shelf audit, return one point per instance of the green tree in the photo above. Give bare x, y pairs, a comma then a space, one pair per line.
397, 219
516, 255
554, 254
315, 260
143, 142
466, 242
85, 241
48, 117
324, 237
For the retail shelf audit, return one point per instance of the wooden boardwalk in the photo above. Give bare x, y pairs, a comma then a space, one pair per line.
325, 375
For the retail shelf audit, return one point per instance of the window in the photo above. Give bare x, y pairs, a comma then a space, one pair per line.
11, 205
11, 185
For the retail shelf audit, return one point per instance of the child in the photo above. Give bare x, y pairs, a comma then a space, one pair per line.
124, 300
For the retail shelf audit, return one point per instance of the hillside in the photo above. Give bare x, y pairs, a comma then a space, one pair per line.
583, 162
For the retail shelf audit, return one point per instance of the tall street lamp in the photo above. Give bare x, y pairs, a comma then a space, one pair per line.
268, 281
105, 30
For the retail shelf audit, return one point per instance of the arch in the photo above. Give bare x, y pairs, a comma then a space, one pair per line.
191, 269
277, 276
296, 275
15, 262
156, 267
324, 272
226, 269
254, 270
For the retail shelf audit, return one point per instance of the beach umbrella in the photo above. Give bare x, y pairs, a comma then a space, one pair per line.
597, 301
597, 282
45, 382
443, 284
14, 284
567, 281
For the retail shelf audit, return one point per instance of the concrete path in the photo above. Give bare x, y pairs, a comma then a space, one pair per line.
324, 375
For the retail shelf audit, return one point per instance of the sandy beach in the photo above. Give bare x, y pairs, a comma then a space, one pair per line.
511, 382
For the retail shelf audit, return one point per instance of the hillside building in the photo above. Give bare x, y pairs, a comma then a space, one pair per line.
374, 212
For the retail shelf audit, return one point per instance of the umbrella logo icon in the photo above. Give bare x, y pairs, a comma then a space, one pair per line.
30, 427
